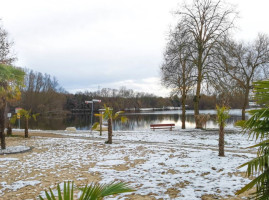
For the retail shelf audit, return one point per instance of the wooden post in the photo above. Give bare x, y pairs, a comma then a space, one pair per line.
101, 123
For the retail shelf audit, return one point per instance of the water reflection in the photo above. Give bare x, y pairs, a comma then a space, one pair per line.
137, 121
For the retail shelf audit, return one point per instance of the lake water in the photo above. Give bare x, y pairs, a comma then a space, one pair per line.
136, 121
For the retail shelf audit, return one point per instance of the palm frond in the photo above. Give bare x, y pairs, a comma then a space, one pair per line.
261, 178
94, 191
117, 114
66, 194
261, 90
98, 191
115, 188
257, 126
222, 114
95, 125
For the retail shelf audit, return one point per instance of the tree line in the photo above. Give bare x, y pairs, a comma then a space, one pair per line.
118, 99
43, 94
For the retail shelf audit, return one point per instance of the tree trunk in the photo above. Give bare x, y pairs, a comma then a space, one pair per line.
221, 140
9, 129
183, 102
245, 104
109, 123
26, 128
2, 123
197, 97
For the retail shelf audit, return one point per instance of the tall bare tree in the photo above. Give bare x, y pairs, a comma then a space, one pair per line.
245, 63
177, 70
206, 22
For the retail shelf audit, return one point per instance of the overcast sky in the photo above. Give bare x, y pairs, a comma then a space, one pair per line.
88, 44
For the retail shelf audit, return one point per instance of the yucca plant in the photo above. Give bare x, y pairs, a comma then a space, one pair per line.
222, 116
94, 191
26, 115
258, 128
108, 116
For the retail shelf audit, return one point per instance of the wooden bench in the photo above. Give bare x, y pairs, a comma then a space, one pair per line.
162, 126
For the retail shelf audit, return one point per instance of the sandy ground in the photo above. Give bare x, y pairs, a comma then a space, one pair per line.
56, 158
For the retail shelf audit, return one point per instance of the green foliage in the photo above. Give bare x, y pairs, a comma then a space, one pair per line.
222, 115
95, 125
66, 194
108, 114
11, 80
261, 90
258, 128
13, 119
27, 114
258, 125
94, 191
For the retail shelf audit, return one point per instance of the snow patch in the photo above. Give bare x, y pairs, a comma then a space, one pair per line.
14, 149
8, 159
18, 185
111, 162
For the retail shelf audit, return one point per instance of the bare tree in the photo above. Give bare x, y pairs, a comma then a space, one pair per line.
177, 70
206, 22
245, 63
6, 55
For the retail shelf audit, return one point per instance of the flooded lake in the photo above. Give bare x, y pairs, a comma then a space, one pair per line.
136, 121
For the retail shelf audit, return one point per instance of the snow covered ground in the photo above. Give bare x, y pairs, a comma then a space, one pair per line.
160, 164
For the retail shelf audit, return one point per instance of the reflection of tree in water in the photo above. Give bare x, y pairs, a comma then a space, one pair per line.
234, 118
142, 122
46, 123
81, 122
135, 122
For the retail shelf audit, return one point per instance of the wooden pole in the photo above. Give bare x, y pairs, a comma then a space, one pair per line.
101, 123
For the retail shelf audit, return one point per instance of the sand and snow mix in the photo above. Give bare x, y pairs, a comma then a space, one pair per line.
158, 164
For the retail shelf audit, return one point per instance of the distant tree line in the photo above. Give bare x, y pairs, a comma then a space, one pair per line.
118, 99
126, 98
43, 94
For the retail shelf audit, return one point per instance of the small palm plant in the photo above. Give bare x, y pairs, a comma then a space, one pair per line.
258, 127
94, 191
26, 114
222, 116
108, 116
